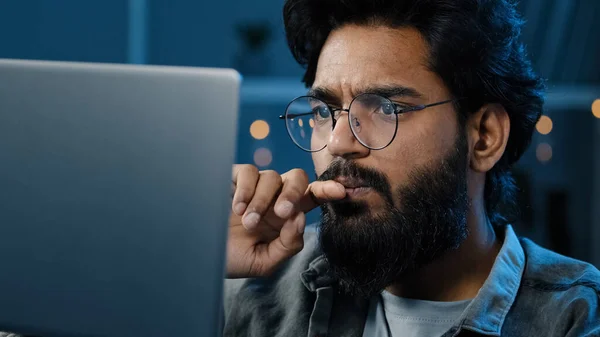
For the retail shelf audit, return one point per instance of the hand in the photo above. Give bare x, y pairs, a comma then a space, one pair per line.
267, 224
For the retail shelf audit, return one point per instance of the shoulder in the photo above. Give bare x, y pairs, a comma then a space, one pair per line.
565, 291
550, 271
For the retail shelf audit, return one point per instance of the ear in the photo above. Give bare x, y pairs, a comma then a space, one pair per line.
488, 131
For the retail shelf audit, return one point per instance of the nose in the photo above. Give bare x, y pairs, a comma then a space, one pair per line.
342, 142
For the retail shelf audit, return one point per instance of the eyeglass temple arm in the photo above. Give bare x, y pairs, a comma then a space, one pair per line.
290, 116
421, 106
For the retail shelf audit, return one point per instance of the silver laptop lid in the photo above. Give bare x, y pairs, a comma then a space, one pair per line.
114, 198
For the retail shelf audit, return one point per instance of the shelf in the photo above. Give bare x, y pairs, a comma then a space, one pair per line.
267, 90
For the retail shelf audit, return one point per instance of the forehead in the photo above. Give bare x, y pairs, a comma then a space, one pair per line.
354, 57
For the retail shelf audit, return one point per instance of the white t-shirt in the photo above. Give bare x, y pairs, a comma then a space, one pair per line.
393, 316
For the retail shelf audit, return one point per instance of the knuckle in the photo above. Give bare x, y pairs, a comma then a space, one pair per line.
272, 175
249, 169
299, 174
296, 183
269, 173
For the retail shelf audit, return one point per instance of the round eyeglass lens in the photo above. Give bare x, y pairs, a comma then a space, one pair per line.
309, 123
373, 120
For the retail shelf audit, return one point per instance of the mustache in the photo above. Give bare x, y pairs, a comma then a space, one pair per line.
369, 177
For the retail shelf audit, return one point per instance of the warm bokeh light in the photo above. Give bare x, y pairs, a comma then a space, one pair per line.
544, 152
263, 157
544, 125
312, 123
259, 129
300, 122
596, 108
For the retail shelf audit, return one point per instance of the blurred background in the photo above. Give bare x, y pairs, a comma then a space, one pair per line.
559, 176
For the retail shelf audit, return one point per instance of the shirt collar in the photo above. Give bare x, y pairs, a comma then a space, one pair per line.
318, 275
489, 308
487, 311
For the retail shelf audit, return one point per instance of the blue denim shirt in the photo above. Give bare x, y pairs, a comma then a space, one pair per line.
530, 292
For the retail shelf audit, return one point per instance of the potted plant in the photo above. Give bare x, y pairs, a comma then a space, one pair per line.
252, 58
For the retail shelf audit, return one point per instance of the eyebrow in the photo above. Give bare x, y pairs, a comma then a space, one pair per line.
322, 93
388, 91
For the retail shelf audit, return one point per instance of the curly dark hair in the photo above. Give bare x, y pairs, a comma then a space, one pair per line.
473, 46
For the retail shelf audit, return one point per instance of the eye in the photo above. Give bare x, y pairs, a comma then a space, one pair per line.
401, 108
321, 112
388, 109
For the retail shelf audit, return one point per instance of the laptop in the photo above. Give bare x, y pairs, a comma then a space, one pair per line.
114, 198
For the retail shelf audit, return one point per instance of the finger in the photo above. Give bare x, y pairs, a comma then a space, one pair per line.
295, 183
290, 240
320, 192
269, 185
245, 178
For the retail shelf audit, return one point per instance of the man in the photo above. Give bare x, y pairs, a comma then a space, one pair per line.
416, 111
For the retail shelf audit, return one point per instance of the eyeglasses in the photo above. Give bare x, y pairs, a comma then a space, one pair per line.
373, 120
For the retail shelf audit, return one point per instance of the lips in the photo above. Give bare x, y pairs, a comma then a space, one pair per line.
350, 183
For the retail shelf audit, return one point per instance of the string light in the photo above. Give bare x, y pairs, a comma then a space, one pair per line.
544, 125
259, 129
544, 152
596, 108
263, 157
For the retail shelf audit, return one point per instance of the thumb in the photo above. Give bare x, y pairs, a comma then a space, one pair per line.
320, 192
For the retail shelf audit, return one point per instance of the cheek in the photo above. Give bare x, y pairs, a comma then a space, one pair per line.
413, 148
395, 162
321, 161
408, 150
427, 138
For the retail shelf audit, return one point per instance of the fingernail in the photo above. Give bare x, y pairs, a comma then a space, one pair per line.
341, 188
284, 208
251, 220
239, 208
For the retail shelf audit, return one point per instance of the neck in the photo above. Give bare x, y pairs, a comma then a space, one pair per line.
459, 274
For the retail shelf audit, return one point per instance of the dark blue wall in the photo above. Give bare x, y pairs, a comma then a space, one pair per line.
70, 30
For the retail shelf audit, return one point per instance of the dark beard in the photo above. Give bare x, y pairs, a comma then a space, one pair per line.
369, 251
